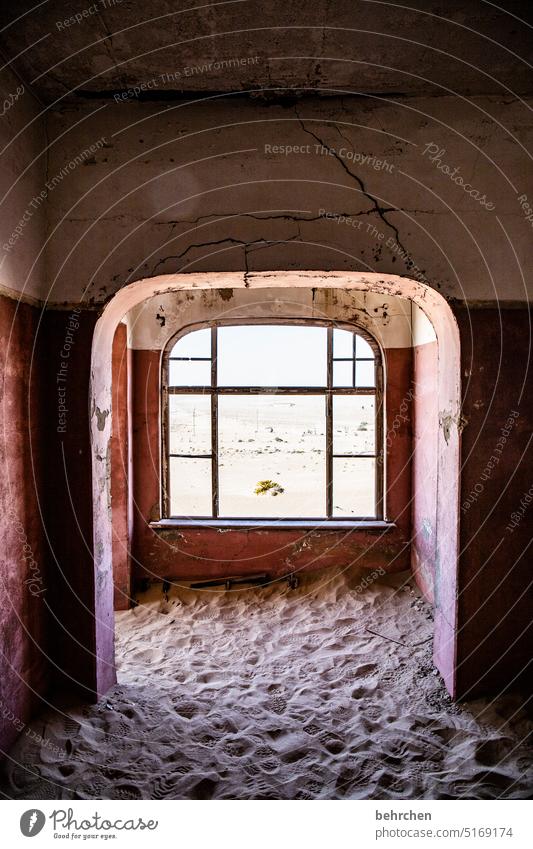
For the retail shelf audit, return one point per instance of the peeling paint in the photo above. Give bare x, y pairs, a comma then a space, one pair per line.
101, 416
447, 420
427, 529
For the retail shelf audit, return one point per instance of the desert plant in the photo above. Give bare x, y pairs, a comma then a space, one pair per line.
274, 488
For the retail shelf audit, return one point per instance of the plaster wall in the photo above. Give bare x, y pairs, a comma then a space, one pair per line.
425, 410
264, 46
22, 190
227, 183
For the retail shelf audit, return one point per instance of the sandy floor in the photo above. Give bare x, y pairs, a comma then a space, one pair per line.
327, 691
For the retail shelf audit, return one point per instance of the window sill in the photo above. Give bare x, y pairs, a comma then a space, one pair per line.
376, 525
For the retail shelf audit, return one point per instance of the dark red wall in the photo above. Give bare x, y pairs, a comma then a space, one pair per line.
495, 593
25, 585
199, 553
68, 503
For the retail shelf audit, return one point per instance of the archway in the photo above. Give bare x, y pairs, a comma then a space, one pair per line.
443, 479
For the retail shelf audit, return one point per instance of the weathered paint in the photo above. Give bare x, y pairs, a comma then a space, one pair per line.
258, 46
425, 452
193, 187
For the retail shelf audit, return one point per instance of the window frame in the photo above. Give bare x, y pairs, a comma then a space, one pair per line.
329, 391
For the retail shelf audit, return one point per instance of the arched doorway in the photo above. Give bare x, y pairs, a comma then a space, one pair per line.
441, 480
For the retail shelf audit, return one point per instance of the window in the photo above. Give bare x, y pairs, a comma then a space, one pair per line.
272, 421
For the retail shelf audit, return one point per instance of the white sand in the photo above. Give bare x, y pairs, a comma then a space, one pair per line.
279, 438
272, 693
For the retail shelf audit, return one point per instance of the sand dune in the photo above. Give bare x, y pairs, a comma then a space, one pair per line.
327, 691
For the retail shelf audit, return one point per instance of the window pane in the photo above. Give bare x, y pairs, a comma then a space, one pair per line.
354, 420
272, 355
362, 348
280, 440
190, 487
343, 374
342, 343
189, 373
189, 422
364, 374
354, 486
195, 344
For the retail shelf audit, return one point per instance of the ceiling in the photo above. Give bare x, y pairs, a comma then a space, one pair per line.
264, 46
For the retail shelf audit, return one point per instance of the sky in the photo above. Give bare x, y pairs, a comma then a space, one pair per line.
263, 355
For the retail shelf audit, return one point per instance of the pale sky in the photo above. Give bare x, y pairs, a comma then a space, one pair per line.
264, 355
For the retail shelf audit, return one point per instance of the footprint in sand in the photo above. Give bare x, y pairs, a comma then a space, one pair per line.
187, 710
332, 743
277, 705
126, 791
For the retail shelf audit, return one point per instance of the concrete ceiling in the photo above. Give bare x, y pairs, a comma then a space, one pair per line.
359, 46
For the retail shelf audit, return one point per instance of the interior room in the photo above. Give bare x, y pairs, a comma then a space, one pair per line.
266, 401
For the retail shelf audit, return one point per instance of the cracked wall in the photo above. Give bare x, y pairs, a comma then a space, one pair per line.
342, 183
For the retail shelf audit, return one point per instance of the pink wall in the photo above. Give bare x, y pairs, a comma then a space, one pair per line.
425, 454
24, 579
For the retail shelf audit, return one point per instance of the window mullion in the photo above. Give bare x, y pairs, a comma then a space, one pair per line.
379, 447
214, 422
329, 425
354, 361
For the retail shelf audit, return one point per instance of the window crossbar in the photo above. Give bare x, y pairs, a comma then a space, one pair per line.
267, 390
192, 456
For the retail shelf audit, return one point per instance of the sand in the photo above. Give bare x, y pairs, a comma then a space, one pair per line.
323, 692
279, 438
